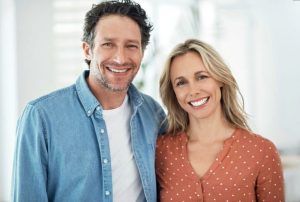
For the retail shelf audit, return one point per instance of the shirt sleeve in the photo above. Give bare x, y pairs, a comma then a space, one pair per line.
29, 178
270, 186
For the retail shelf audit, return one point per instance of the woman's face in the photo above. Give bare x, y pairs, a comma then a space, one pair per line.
196, 91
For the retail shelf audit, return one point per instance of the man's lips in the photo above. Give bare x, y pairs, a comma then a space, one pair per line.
118, 70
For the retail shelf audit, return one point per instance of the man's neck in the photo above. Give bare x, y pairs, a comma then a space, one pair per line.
107, 98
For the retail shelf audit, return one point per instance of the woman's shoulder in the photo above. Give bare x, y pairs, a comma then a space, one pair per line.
170, 146
168, 140
254, 139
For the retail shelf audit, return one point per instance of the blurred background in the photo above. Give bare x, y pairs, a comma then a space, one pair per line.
40, 51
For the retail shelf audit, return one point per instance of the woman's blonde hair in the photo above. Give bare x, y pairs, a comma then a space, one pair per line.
232, 106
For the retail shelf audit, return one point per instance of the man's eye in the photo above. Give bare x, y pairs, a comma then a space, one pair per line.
132, 46
107, 44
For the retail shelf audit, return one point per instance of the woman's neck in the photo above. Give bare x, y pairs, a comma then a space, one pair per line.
211, 129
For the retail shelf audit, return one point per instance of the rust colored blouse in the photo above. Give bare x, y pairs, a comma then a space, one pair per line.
247, 169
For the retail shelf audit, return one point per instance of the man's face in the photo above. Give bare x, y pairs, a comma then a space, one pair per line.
117, 52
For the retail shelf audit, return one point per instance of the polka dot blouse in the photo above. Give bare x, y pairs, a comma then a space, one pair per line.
247, 169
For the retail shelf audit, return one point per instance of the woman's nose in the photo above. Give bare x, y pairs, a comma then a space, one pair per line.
194, 90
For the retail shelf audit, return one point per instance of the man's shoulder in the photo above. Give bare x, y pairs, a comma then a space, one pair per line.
148, 100
151, 107
59, 96
141, 99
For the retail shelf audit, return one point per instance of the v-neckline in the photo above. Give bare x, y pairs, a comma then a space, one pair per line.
216, 163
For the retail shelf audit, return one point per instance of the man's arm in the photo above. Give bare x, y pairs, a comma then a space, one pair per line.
29, 178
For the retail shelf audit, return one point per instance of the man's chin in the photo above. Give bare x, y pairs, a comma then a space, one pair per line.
118, 88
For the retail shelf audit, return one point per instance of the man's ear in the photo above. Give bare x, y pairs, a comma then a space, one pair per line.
87, 51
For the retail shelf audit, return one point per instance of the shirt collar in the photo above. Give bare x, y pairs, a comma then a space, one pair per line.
90, 102
135, 97
86, 97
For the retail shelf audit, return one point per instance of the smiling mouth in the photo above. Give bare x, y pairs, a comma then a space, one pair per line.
117, 70
199, 102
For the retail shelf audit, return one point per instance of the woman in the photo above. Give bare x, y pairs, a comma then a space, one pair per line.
210, 153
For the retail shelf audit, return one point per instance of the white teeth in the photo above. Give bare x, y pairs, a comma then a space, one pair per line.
199, 103
118, 70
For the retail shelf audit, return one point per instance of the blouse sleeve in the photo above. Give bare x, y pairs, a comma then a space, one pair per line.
270, 185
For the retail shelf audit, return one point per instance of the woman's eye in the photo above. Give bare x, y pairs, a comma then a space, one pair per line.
180, 83
201, 77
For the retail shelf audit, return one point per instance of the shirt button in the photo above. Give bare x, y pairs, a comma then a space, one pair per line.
101, 130
105, 161
107, 193
98, 108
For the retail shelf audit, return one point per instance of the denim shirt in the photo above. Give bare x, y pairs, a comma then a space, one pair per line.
62, 151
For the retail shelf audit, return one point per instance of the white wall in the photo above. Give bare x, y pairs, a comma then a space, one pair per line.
8, 97
35, 69
277, 71
25, 70
260, 41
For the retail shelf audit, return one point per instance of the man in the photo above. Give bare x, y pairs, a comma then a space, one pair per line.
95, 140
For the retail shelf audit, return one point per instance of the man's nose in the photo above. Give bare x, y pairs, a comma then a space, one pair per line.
120, 56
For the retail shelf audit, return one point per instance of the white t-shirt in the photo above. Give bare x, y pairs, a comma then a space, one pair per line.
127, 185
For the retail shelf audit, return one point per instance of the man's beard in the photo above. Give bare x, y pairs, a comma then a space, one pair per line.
103, 81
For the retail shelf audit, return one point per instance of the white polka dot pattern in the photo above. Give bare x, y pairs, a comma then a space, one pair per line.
247, 169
